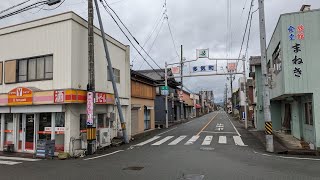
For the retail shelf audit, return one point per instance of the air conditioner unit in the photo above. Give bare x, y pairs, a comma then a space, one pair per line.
104, 137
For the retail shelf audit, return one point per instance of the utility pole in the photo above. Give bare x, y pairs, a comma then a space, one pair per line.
91, 130
231, 90
110, 70
266, 98
245, 93
166, 103
225, 97
181, 73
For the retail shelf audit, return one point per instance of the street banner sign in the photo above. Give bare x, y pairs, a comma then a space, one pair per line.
164, 90
204, 68
175, 70
231, 66
90, 108
202, 53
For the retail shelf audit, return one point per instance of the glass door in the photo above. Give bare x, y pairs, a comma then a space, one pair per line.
29, 132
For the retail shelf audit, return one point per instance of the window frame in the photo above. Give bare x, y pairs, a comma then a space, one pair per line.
116, 77
307, 115
276, 60
147, 118
36, 67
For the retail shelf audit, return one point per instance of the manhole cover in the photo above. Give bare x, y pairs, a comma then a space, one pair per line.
207, 148
133, 168
191, 177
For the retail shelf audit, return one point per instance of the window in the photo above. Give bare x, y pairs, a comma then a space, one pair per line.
116, 73
45, 126
83, 123
276, 59
10, 71
1, 65
35, 69
308, 113
147, 118
59, 131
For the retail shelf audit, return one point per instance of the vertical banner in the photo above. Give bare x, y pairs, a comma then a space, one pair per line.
90, 108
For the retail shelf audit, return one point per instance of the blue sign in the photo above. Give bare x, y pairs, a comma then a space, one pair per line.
292, 37
291, 29
204, 68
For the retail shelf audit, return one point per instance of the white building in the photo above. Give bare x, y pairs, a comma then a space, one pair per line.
44, 76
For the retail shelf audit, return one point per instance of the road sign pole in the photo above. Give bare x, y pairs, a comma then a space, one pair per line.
166, 84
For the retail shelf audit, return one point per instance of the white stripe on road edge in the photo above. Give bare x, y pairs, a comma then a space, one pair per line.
147, 141
207, 140
9, 162
176, 141
238, 141
288, 157
167, 131
222, 140
192, 140
162, 141
219, 132
18, 158
103, 155
233, 126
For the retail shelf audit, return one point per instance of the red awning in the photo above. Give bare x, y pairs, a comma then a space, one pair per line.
198, 106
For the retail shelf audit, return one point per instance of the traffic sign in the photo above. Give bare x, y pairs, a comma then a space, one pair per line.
164, 90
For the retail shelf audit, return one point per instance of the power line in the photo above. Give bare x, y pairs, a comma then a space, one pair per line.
152, 31
131, 33
105, 7
24, 9
153, 42
245, 31
174, 44
14, 6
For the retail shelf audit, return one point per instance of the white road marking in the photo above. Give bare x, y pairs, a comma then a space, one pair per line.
176, 141
214, 132
148, 141
207, 140
222, 140
192, 140
167, 131
233, 126
288, 157
103, 155
9, 162
162, 141
238, 141
18, 158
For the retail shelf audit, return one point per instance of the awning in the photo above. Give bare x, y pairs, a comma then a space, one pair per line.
198, 106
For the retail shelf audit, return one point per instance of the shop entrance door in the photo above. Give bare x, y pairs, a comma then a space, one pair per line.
27, 132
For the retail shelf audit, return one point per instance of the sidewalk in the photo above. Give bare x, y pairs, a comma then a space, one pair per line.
283, 144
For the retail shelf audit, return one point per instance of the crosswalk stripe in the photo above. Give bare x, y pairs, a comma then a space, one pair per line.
176, 141
207, 140
238, 141
192, 140
222, 140
18, 158
9, 162
162, 141
148, 141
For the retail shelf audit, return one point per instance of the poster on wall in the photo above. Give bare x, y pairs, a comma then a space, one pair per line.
90, 108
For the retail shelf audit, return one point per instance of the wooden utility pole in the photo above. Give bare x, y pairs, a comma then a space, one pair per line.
91, 130
181, 73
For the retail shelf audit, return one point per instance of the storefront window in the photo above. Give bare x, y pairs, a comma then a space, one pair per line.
59, 131
101, 121
83, 125
45, 126
8, 129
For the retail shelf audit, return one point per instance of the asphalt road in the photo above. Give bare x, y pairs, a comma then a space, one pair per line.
210, 147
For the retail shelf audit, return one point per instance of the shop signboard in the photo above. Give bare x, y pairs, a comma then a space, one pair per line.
20, 96
164, 90
101, 98
58, 96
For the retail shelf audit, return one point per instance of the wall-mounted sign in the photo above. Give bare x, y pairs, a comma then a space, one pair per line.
58, 96
296, 32
101, 98
90, 108
20, 96
175, 70
204, 68
202, 53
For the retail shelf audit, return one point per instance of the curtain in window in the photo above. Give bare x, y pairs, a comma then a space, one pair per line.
40, 68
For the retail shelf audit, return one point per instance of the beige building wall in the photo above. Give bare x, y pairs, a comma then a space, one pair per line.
143, 102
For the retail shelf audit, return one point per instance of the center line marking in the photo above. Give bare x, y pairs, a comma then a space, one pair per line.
206, 125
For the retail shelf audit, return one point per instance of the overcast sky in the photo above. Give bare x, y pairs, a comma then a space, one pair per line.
194, 24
